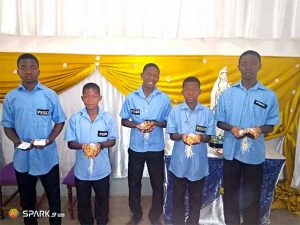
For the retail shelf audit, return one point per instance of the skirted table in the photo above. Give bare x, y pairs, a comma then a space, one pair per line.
212, 203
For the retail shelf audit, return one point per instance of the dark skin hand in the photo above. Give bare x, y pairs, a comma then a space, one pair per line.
236, 130
105, 144
130, 124
13, 136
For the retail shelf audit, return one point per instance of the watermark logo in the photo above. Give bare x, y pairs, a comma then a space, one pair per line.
13, 213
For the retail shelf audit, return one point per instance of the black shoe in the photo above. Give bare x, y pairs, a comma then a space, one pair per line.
133, 221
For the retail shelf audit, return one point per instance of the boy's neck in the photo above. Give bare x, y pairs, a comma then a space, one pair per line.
249, 83
30, 86
147, 91
93, 113
192, 106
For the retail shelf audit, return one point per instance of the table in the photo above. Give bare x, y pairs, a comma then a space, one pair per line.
212, 203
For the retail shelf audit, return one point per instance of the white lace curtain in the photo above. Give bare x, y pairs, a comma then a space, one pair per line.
164, 19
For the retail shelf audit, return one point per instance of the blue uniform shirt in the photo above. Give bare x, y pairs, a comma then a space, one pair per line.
31, 113
138, 108
82, 130
184, 121
244, 108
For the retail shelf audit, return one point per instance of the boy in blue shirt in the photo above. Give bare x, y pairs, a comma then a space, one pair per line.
190, 125
245, 112
28, 113
92, 132
145, 111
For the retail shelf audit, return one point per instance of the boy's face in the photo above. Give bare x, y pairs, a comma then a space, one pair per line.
249, 66
191, 92
150, 77
91, 98
28, 71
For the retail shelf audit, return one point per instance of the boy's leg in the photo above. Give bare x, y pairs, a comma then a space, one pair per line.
26, 186
51, 184
179, 189
83, 192
101, 188
195, 200
252, 182
155, 164
231, 184
135, 171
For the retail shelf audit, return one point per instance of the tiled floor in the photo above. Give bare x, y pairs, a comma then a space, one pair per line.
119, 213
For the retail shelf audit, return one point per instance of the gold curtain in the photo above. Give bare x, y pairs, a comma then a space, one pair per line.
281, 74
58, 71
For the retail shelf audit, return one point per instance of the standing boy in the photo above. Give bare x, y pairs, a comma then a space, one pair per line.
92, 132
190, 125
28, 113
145, 111
245, 111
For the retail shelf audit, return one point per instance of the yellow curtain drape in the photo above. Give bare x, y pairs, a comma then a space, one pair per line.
281, 74
58, 71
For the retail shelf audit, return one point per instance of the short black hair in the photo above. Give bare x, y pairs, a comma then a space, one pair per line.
91, 86
27, 56
250, 52
148, 65
191, 79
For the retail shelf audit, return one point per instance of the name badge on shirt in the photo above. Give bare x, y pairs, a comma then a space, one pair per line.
260, 104
135, 111
42, 112
201, 129
102, 133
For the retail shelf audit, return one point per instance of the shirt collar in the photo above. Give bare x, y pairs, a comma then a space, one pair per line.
37, 86
258, 85
140, 92
184, 106
85, 114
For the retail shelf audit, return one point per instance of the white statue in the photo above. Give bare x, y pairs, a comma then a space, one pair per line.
220, 85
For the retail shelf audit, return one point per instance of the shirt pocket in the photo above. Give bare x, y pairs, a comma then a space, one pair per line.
43, 121
260, 114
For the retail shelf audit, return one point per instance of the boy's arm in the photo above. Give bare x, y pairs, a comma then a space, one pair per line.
107, 144
162, 123
233, 129
75, 145
176, 137
55, 132
12, 135
128, 123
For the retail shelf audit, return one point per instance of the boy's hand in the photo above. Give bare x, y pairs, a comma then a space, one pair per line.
191, 139
91, 150
25, 146
237, 132
146, 126
39, 143
253, 132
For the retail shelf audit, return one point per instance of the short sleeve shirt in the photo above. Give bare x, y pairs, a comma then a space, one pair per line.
82, 130
237, 106
184, 121
31, 114
139, 108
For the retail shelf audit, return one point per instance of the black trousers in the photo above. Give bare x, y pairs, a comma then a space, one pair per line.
195, 190
155, 164
27, 189
84, 191
248, 178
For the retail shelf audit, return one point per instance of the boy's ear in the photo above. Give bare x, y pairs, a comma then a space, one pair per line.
81, 97
100, 98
